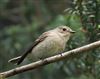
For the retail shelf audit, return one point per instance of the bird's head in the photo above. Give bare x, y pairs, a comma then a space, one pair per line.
65, 31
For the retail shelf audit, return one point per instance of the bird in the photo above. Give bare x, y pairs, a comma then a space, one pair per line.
48, 44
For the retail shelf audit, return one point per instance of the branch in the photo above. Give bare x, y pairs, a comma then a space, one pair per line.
49, 60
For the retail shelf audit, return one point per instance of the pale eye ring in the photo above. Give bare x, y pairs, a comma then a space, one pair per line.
64, 29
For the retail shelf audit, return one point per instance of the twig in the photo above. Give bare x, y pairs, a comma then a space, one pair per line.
49, 60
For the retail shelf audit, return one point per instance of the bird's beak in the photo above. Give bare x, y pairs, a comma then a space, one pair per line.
72, 31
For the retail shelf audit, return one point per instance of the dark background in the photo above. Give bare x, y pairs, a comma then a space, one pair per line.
22, 21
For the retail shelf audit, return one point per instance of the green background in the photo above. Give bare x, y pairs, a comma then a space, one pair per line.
22, 21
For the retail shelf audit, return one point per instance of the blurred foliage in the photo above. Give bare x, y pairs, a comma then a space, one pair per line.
22, 21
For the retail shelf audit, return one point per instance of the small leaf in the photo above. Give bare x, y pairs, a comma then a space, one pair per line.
98, 26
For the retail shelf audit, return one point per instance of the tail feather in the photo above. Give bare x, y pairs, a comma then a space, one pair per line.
15, 60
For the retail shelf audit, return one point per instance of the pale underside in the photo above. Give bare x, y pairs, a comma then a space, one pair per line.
49, 48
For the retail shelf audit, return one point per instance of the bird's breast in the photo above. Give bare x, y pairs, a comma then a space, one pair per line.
49, 47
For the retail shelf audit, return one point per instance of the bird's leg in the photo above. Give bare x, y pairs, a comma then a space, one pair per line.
44, 60
60, 53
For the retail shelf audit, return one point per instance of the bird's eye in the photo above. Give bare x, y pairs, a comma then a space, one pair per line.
64, 29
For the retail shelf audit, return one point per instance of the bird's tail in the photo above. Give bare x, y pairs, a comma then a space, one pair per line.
15, 60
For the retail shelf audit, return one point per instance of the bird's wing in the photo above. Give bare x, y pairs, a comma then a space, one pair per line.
40, 39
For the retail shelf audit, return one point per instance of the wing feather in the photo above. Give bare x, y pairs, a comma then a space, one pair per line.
40, 39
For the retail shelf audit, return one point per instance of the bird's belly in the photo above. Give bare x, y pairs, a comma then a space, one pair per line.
44, 50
